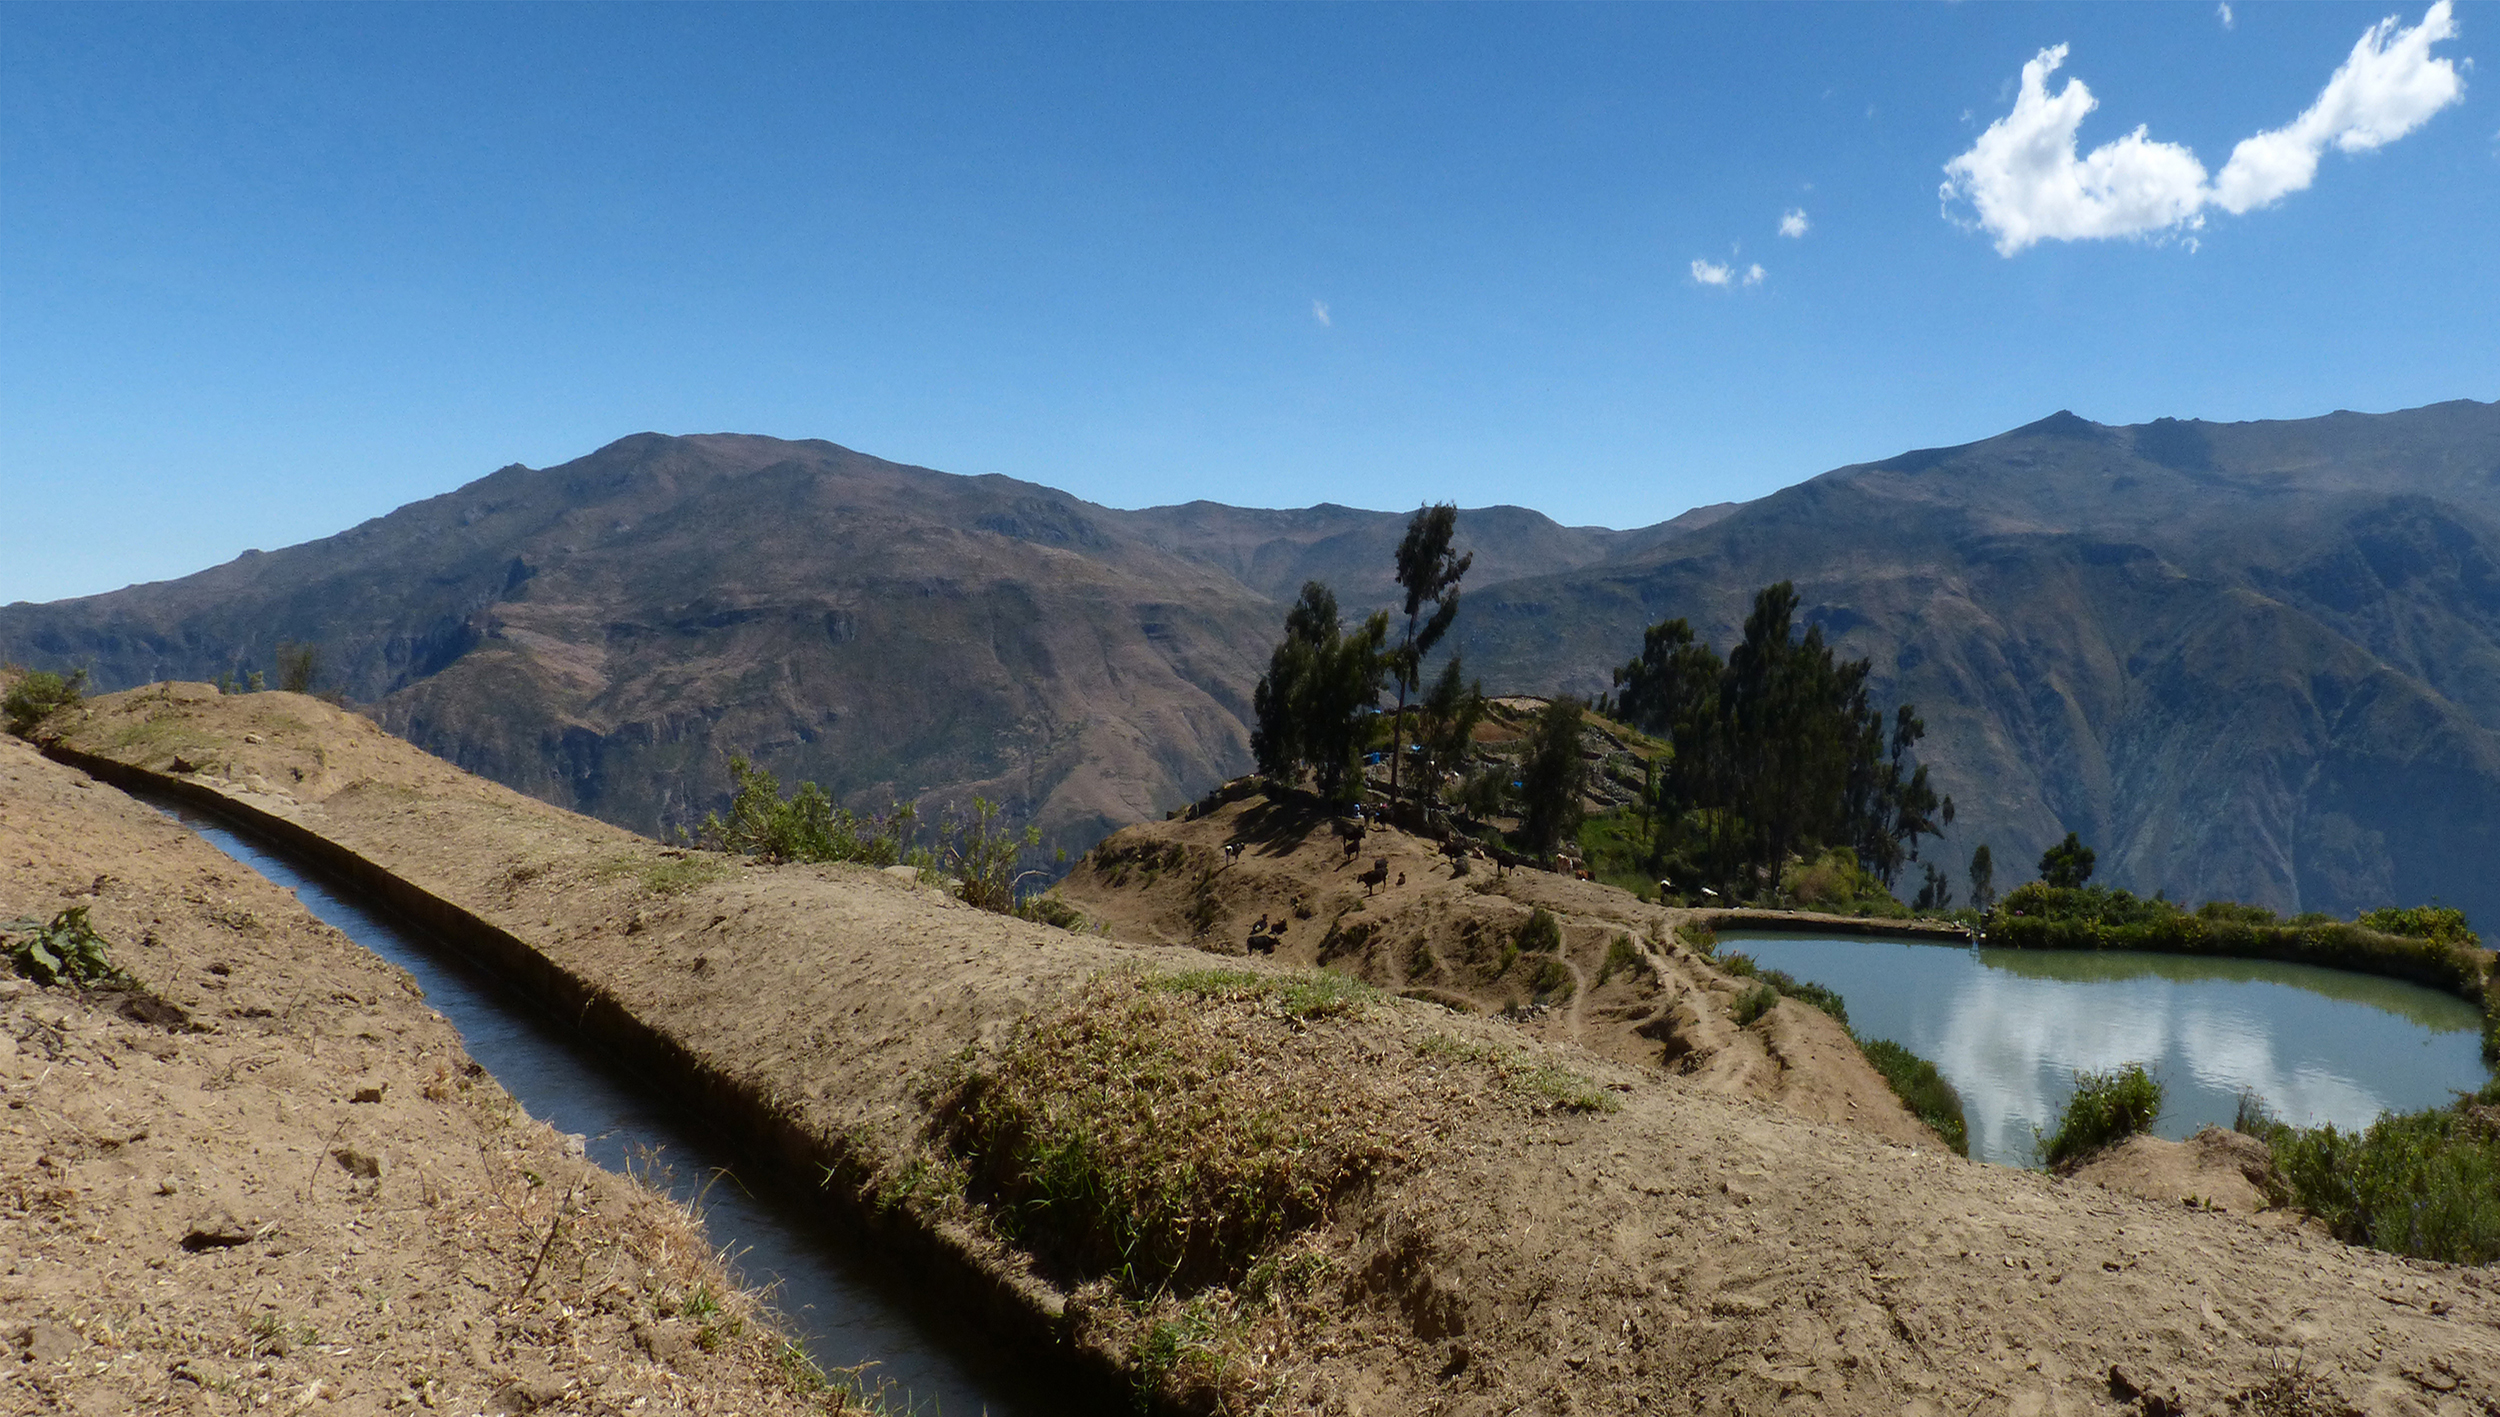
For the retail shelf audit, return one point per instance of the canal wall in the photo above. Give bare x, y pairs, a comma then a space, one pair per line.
1015, 1306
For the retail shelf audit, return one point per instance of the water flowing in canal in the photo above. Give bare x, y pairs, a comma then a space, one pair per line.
833, 1295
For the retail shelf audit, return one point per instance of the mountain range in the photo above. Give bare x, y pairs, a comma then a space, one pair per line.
2253, 660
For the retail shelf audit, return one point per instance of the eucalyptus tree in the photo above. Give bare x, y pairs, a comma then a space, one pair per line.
1429, 568
1778, 750
1313, 707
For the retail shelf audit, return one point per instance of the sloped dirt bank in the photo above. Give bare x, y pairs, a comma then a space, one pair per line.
266, 1176
1498, 1217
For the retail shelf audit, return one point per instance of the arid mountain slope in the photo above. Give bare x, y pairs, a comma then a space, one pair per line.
2256, 660
2253, 660
606, 634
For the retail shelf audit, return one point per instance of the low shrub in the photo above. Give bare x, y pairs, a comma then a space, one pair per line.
1808, 993
1552, 977
1754, 1003
1540, 932
1051, 910
2425, 1184
1781, 982
1621, 954
67, 950
37, 696
1835, 882
2106, 1108
804, 826
1922, 1089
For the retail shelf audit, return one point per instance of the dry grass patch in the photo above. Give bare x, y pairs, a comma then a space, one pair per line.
1169, 1131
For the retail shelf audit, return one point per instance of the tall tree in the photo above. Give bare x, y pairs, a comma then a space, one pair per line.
1429, 568
1312, 707
1983, 879
1445, 723
1552, 777
1777, 751
2067, 864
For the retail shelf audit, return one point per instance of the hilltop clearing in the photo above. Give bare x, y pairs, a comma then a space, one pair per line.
258, 1174
1239, 1183
1566, 961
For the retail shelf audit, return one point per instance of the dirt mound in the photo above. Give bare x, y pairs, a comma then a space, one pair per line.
1566, 961
1540, 1215
2212, 1170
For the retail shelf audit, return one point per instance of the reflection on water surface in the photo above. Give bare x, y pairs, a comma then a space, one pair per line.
2010, 1028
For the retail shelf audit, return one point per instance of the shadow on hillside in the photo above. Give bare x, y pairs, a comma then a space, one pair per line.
1277, 826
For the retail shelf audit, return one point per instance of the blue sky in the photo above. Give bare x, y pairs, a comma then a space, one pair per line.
268, 271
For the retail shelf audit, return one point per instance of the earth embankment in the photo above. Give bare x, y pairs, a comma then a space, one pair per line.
258, 1173
1541, 1218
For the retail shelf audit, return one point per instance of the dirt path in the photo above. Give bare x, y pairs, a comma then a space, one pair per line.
292, 1192
1669, 1241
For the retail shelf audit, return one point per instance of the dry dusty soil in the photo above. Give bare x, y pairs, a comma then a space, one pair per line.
265, 1177
1623, 1203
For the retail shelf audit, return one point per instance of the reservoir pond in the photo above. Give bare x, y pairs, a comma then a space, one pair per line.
2010, 1028
834, 1297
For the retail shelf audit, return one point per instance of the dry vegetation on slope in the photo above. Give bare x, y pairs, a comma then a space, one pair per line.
1481, 1216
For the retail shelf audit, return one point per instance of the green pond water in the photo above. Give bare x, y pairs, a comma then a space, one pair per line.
2010, 1028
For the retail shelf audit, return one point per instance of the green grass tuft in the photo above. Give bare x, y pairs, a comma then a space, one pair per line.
1922, 1089
1314, 993
1525, 1074
2106, 1108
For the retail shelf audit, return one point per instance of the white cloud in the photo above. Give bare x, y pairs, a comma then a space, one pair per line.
1713, 273
2223, 8
1793, 222
2026, 183
2387, 88
1319, 312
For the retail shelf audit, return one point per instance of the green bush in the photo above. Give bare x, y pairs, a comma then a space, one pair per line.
1835, 882
1621, 954
805, 826
66, 950
2445, 924
2440, 956
1754, 1003
1806, 993
2107, 1107
1922, 1089
1552, 977
1540, 932
2425, 1183
39, 695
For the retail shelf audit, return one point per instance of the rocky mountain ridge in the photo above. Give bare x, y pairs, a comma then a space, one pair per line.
2256, 660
